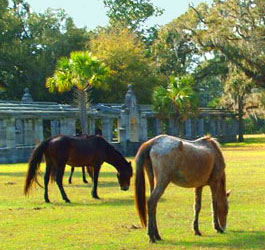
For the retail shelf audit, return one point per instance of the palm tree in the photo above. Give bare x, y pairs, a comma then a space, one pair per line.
80, 71
177, 101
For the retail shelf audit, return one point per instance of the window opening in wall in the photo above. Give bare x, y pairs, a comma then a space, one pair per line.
47, 129
98, 126
150, 127
2, 134
19, 126
115, 133
78, 129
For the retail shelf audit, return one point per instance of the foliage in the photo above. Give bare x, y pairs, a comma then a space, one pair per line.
173, 50
30, 45
209, 76
125, 55
132, 13
177, 100
235, 28
81, 71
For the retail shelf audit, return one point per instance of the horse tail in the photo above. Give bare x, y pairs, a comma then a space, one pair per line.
142, 157
34, 165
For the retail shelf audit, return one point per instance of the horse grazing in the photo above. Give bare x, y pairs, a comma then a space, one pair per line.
189, 164
75, 151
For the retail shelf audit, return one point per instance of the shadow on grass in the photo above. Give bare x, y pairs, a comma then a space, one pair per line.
236, 239
247, 142
90, 184
91, 202
13, 174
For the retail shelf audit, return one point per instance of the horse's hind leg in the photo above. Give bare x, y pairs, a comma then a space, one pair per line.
152, 205
90, 171
197, 209
71, 175
59, 181
150, 174
84, 175
46, 181
214, 189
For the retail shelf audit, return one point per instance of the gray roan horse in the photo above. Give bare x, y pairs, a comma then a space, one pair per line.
190, 164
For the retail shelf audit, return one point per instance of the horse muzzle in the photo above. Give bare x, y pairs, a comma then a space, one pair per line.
125, 188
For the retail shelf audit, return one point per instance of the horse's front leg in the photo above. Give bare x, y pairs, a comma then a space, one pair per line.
90, 171
214, 189
95, 182
59, 180
152, 205
197, 209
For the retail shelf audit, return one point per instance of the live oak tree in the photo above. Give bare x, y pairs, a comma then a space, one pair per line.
236, 28
30, 45
132, 13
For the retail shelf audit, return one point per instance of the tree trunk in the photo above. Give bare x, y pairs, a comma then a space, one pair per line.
82, 99
240, 119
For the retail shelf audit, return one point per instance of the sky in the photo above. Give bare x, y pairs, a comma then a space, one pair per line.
91, 13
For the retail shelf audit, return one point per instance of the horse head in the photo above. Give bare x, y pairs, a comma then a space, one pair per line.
223, 208
124, 176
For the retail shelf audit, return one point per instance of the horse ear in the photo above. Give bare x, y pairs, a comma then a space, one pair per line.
228, 193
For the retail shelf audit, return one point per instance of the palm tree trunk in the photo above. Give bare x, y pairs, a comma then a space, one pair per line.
82, 99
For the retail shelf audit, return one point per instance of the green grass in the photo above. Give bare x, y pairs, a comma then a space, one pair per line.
112, 222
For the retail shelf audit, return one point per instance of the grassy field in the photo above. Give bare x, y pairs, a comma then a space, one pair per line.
112, 222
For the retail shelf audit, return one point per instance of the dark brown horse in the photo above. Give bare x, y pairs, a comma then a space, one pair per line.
191, 164
75, 151
89, 169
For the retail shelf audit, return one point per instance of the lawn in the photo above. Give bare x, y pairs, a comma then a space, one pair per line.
112, 222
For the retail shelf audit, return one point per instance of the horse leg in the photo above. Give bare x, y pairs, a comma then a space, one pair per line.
95, 182
214, 189
46, 182
71, 175
197, 209
152, 205
150, 175
59, 181
90, 171
84, 175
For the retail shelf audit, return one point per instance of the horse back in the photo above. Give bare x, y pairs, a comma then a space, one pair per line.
181, 162
78, 151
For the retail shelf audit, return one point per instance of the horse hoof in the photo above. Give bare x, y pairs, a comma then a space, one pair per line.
96, 197
152, 239
47, 201
158, 237
67, 201
198, 233
85, 181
